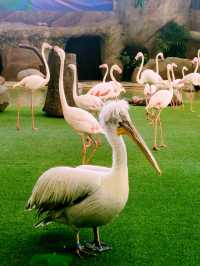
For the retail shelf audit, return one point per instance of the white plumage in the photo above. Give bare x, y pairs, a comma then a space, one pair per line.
91, 196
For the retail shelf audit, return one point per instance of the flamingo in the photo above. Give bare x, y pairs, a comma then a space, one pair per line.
192, 79
91, 196
33, 83
88, 102
149, 90
190, 86
147, 76
160, 100
84, 123
110, 89
177, 84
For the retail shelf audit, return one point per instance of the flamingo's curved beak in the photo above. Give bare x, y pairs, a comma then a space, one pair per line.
127, 128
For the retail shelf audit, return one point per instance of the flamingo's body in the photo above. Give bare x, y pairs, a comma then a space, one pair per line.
80, 120
33, 83
149, 90
148, 75
110, 89
89, 196
160, 100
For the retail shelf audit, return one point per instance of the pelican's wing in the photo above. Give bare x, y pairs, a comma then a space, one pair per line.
61, 187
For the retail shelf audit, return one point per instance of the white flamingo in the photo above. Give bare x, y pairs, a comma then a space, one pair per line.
160, 100
86, 196
84, 123
148, 75
33, 83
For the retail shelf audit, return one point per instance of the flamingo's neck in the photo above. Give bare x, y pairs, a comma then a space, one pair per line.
63, 100
112, 74
183, 72
46, 80
140, 70
74, 90
197, 66
106, 74
170, 81
157, 65
173, 75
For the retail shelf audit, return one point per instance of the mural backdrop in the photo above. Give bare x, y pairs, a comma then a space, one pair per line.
56, 5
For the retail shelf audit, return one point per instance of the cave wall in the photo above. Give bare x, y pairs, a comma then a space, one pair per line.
125, 25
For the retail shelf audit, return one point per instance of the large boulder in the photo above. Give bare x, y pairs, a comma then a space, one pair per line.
28, 72
181, 62
4, 97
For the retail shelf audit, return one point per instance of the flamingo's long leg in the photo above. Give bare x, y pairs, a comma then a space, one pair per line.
191, 99
84, 149
19, 104
94, 148
162, 144
155, 123
32, 112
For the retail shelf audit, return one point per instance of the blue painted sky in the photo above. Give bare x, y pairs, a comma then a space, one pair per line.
56, 5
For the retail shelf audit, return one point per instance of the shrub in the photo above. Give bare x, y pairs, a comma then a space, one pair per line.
172, 40
127, 58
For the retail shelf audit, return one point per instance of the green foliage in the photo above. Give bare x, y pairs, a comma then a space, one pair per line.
127, 58
160, 223
139, 3
172, 40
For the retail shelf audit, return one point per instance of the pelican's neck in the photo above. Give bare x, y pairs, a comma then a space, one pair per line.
197, 66
61, 85
119, 153
106, 74
46, 67
140, 70
157, 65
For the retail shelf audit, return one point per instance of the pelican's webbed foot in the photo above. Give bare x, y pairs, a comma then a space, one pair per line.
97, 247
83, 251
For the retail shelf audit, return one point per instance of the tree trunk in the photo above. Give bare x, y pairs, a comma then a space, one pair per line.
52, 105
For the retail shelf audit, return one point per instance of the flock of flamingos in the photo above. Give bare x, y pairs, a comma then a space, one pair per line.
90, 196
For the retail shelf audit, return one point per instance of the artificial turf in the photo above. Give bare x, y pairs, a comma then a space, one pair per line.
161, 222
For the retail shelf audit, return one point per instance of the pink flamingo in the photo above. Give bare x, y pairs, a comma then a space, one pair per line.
33, 83
88, 102
149, 90
84, 123
148, 75
192, 79
108, 90
160, 100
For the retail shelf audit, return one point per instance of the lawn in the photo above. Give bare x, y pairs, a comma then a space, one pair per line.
161, 222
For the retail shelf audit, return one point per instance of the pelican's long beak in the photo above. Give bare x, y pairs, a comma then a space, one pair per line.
127, 128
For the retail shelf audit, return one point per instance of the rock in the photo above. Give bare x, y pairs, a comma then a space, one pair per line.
151, 64
27, 72
137, 100
4, 101
2, 80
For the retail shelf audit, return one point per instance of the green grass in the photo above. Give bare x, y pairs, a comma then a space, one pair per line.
161, 222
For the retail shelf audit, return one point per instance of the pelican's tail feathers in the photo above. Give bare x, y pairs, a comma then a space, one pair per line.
43, 222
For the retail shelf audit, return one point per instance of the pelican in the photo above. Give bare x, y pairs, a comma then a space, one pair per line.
91, 196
